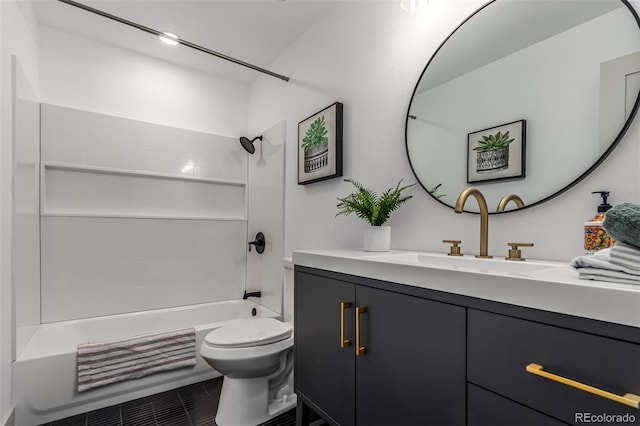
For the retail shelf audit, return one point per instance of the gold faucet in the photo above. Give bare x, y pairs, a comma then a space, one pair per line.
484, 218
505, 200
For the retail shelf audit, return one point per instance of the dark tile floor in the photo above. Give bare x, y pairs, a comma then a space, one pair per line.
192, 405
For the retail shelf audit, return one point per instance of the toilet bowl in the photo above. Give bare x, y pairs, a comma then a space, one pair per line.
256, 358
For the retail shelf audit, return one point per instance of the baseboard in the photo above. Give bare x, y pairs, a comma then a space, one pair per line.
10, 420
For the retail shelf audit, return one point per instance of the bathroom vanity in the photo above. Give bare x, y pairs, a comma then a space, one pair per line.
409, 338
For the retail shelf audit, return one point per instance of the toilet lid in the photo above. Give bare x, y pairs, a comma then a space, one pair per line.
249, 332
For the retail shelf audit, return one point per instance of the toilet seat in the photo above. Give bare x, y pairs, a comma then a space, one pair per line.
255, 338
249, 333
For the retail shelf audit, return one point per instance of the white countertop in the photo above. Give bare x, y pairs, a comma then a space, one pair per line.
556, 288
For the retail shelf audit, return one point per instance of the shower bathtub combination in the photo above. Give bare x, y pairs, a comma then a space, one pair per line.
45, 370
176, 237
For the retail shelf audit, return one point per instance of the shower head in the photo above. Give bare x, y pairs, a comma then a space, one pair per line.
248, 144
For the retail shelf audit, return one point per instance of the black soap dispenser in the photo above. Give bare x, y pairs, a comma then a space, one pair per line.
595, 236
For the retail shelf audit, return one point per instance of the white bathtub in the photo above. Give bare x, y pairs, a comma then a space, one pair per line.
45, 370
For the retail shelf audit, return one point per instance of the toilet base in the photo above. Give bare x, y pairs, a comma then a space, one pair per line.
245, 402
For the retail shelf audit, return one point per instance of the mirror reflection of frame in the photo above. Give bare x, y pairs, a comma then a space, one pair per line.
570, 68
497, 153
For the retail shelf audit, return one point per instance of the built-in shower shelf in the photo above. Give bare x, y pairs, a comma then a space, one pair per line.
125, 172
145, 216
86, 191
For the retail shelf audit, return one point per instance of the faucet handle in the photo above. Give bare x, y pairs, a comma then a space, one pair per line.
259, 242
454, 250
514, 252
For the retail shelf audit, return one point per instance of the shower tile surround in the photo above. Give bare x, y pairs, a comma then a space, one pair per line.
26, 192
127, 265
131, 211
266, 213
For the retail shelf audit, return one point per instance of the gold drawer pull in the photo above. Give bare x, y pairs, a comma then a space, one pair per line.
627, 399
359, 349
343, 342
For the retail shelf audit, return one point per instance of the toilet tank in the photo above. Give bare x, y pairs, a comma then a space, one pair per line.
287, 291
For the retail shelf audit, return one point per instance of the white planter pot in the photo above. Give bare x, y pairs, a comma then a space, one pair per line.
377, 238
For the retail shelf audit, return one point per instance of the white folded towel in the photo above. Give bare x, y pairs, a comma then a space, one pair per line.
115, 360
599, 267
625, 255
609, 276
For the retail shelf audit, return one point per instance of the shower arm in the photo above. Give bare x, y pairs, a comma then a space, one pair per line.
179, 40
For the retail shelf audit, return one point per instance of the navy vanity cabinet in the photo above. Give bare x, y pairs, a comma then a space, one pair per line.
500, 348
411, 370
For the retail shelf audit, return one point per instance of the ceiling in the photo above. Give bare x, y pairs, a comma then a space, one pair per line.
253, 31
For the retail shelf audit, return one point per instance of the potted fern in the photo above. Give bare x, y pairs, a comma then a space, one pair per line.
375, 209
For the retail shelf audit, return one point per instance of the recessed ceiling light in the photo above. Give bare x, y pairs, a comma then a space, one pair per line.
169, 38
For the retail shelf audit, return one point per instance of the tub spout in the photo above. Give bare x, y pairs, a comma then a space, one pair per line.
252, 294
484, 218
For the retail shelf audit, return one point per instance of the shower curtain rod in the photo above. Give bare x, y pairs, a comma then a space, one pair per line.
179, 40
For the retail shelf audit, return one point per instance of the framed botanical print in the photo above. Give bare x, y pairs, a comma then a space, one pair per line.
320, 145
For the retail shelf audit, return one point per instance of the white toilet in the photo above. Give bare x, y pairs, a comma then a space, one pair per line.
256, 358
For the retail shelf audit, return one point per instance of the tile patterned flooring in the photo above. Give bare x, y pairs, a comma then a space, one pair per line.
193, 405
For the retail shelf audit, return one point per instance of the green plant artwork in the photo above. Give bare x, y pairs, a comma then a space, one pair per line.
315, 135
493, 142
373, 208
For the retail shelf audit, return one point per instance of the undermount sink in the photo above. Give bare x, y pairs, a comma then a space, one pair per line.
467, 263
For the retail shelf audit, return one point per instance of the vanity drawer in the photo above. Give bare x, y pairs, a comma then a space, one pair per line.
501, 347
488, 409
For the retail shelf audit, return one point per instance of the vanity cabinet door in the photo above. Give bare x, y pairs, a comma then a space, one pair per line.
412, 372
324, 371
501, 347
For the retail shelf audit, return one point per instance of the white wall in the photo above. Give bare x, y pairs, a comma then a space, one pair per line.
81, 73
18, 33
369, 56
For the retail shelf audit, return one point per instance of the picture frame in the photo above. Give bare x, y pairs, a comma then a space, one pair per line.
497, 153
320, 145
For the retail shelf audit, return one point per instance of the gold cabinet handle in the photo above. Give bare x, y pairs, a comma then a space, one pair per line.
360, 350
343, 342
627, 399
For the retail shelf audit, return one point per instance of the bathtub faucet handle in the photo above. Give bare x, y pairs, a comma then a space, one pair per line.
259, 242
251, 294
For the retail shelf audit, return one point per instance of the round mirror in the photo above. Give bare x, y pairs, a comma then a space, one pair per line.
525, 97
